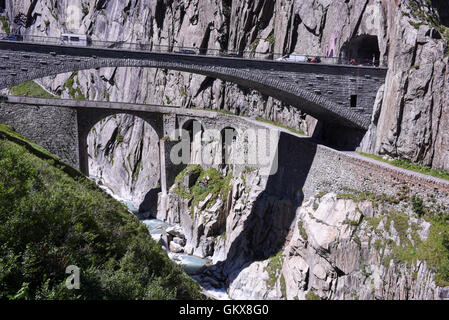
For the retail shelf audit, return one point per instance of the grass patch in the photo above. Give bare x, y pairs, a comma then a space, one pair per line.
312, 296
85, 10
373, 222
302, 230
410, 248
119, 138
76, 94
376, 199
271, 38
180, 189
50, 219
31, 89
255, 44
274, 269
283, 287
405, 164
435, 251
415, 67
209, 182
352, 223
183, 93
361, 196
277, 124
5, 24
321, 194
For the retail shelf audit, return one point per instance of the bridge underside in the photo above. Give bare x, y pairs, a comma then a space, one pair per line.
336, 95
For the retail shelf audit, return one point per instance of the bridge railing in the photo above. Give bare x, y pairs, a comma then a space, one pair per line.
150, 47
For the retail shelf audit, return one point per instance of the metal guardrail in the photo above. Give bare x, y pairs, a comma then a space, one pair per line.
150, 47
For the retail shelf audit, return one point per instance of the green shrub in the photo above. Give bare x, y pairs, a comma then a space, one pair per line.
31, 89
50, 220
5, 24
312, 296
210, 182
418, 206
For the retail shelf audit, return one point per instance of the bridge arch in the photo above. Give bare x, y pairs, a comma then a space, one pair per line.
195, 130
229, 136
290, 93
137, 173
87, 118
325, 97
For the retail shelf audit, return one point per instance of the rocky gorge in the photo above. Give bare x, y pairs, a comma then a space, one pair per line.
263, 237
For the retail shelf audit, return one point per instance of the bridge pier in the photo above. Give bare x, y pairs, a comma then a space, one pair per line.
83, 153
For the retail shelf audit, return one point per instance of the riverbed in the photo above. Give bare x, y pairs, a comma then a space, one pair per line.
192, 265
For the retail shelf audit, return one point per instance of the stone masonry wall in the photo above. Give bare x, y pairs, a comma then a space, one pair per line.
55, 129
333, 171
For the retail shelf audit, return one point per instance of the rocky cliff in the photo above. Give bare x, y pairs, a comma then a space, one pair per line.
409, 121
267, 244
303, 233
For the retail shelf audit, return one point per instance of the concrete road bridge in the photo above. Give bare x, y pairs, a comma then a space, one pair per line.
336, 94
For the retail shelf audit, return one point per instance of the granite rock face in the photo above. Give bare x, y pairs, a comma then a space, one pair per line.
411, 123
265, 245
332, 246
338, 251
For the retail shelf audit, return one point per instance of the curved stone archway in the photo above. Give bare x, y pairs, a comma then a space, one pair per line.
88, 118
123, 153
323, 91
229, 137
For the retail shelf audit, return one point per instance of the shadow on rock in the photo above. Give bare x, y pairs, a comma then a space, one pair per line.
268, 225
149, 203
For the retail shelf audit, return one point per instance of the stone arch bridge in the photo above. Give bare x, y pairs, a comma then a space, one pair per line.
340, 95
62, 126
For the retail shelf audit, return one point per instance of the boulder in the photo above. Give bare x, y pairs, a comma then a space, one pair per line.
176, 248
176, 231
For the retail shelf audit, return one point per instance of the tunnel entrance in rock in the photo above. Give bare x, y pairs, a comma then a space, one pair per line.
123, 157
363, 49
